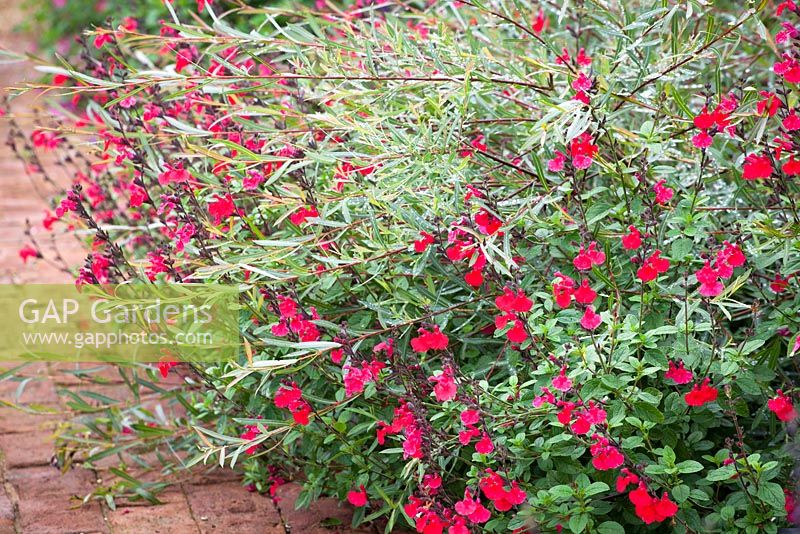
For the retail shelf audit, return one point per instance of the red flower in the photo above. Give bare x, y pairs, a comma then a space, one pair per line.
582, 59
563, 288
422, 243
756, 167
485, 445
357, 497
782, 407
582, 151
604, 455
487, 223
540, 23
474, 278
649, 509
702, 140
512, 302
590, 319
299, 216
769, 104
791, 122
250, 433
445, 387
356, 378
582, 83
625, 479
663, 193
779, 284
493, 487
710, 286
221, 208
561, 382
433, 340
164, 366
701, 394
678, 373
632, 240
587, 258
291, 397
652, 267
472, 508
557, 163
517, 333
585, 294
28, 252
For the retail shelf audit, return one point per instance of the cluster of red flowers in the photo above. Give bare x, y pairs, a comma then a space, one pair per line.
503, 498
512, 304
291, 397
728, 258
711, 123
604, 455
429, 340
294, 321
357, 378
405, 422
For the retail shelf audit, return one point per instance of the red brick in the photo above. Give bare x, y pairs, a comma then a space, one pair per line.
27, 449
14, 421
222, 505
37, 391
50, 502
6, 514
172, 517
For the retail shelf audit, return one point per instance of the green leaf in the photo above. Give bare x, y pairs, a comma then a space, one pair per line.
610, 527
648, 412
772, 494
723, 473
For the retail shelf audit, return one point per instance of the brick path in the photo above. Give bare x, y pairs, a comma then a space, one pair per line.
35, 497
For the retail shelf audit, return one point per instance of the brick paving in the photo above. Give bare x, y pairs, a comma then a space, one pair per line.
35, 496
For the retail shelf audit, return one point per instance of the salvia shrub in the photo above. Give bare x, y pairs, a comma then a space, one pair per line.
502, 266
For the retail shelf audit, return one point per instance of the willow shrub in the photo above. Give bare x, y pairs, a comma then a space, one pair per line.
502, 266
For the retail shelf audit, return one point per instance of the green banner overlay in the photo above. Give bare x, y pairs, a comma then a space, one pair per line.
119, 323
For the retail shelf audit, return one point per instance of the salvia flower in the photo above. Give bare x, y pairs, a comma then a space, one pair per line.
701, 394
782, 407
678, 373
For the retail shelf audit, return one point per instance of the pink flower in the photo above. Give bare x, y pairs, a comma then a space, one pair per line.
557, 163
590, 319
445, 385
484, 445
663, 193
678, 373
561, 382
